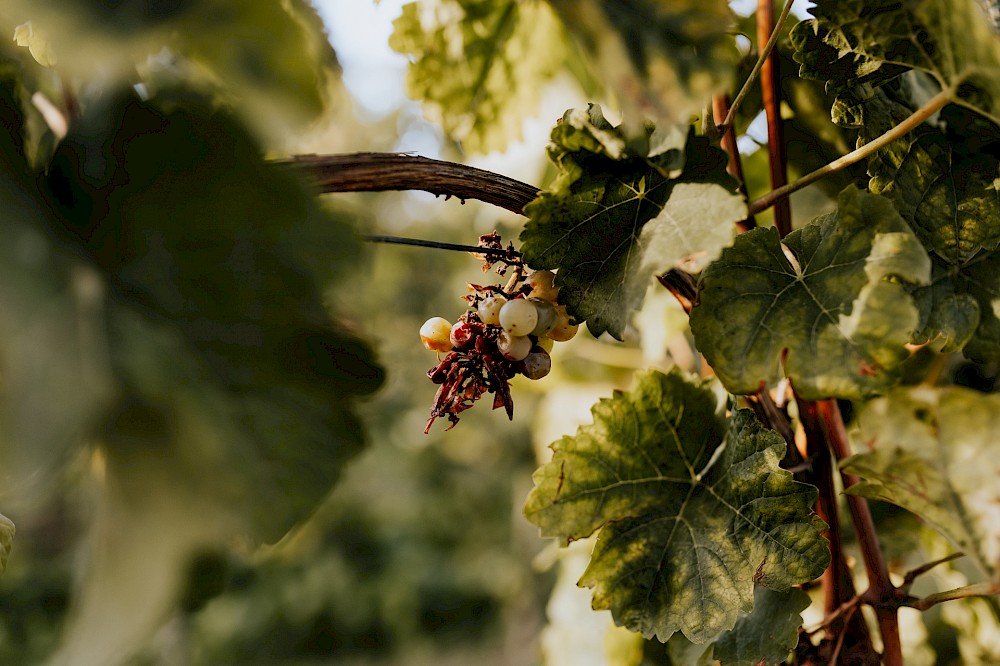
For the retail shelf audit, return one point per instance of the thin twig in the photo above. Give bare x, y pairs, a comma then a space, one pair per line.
720, 108
977, 590
924, 568
765, 52
378, 172
932, 106
438, 245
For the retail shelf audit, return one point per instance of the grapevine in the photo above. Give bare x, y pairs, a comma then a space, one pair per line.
506, 330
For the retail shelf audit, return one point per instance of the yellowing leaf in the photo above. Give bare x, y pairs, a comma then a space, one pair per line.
479, 64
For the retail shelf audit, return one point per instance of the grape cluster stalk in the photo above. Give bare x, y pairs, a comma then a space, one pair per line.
505, 331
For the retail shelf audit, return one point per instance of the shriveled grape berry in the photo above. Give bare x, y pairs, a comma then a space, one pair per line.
462, 335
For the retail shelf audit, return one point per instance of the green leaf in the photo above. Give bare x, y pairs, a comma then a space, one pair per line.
662, 60
683, 537
768, 633
6, 540
873, 41
611, 221
479, 64
827, 308
944, 181
931, 451
883, 60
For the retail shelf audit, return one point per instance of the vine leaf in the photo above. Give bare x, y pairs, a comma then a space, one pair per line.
826, 308
683, 537
477, 65
933, 452
611, 221
662, 60
768, 633
873, 41
883, 60
943, 180
6, 540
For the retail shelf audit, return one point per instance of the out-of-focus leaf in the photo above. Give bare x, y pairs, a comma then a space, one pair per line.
479, 65
611, 221
682, 540
768, 633
6, 540
662, 60
931, 451
232, 388
272, 58
826, 307
873, 41
37, 43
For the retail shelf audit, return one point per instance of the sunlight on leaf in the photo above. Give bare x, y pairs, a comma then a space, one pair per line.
680, 546
835, 322
479, 66
932, 451
611, 221
873, 41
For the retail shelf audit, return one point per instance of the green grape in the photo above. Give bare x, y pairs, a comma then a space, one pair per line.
436, 334
489, 309
518, 317
514, 347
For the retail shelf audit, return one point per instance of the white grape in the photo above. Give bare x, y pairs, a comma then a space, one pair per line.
546, 343
541, 283
518, 317
548, 317
489, 308
537, 364
436, 334
514, 347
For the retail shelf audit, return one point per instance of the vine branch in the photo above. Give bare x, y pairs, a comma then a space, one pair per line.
977, 590
378, 172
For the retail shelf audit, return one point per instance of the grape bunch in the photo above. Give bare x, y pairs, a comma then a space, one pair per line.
507, 330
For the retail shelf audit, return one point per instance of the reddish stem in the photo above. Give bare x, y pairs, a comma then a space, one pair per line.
720, 109
771, 93
881, 593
